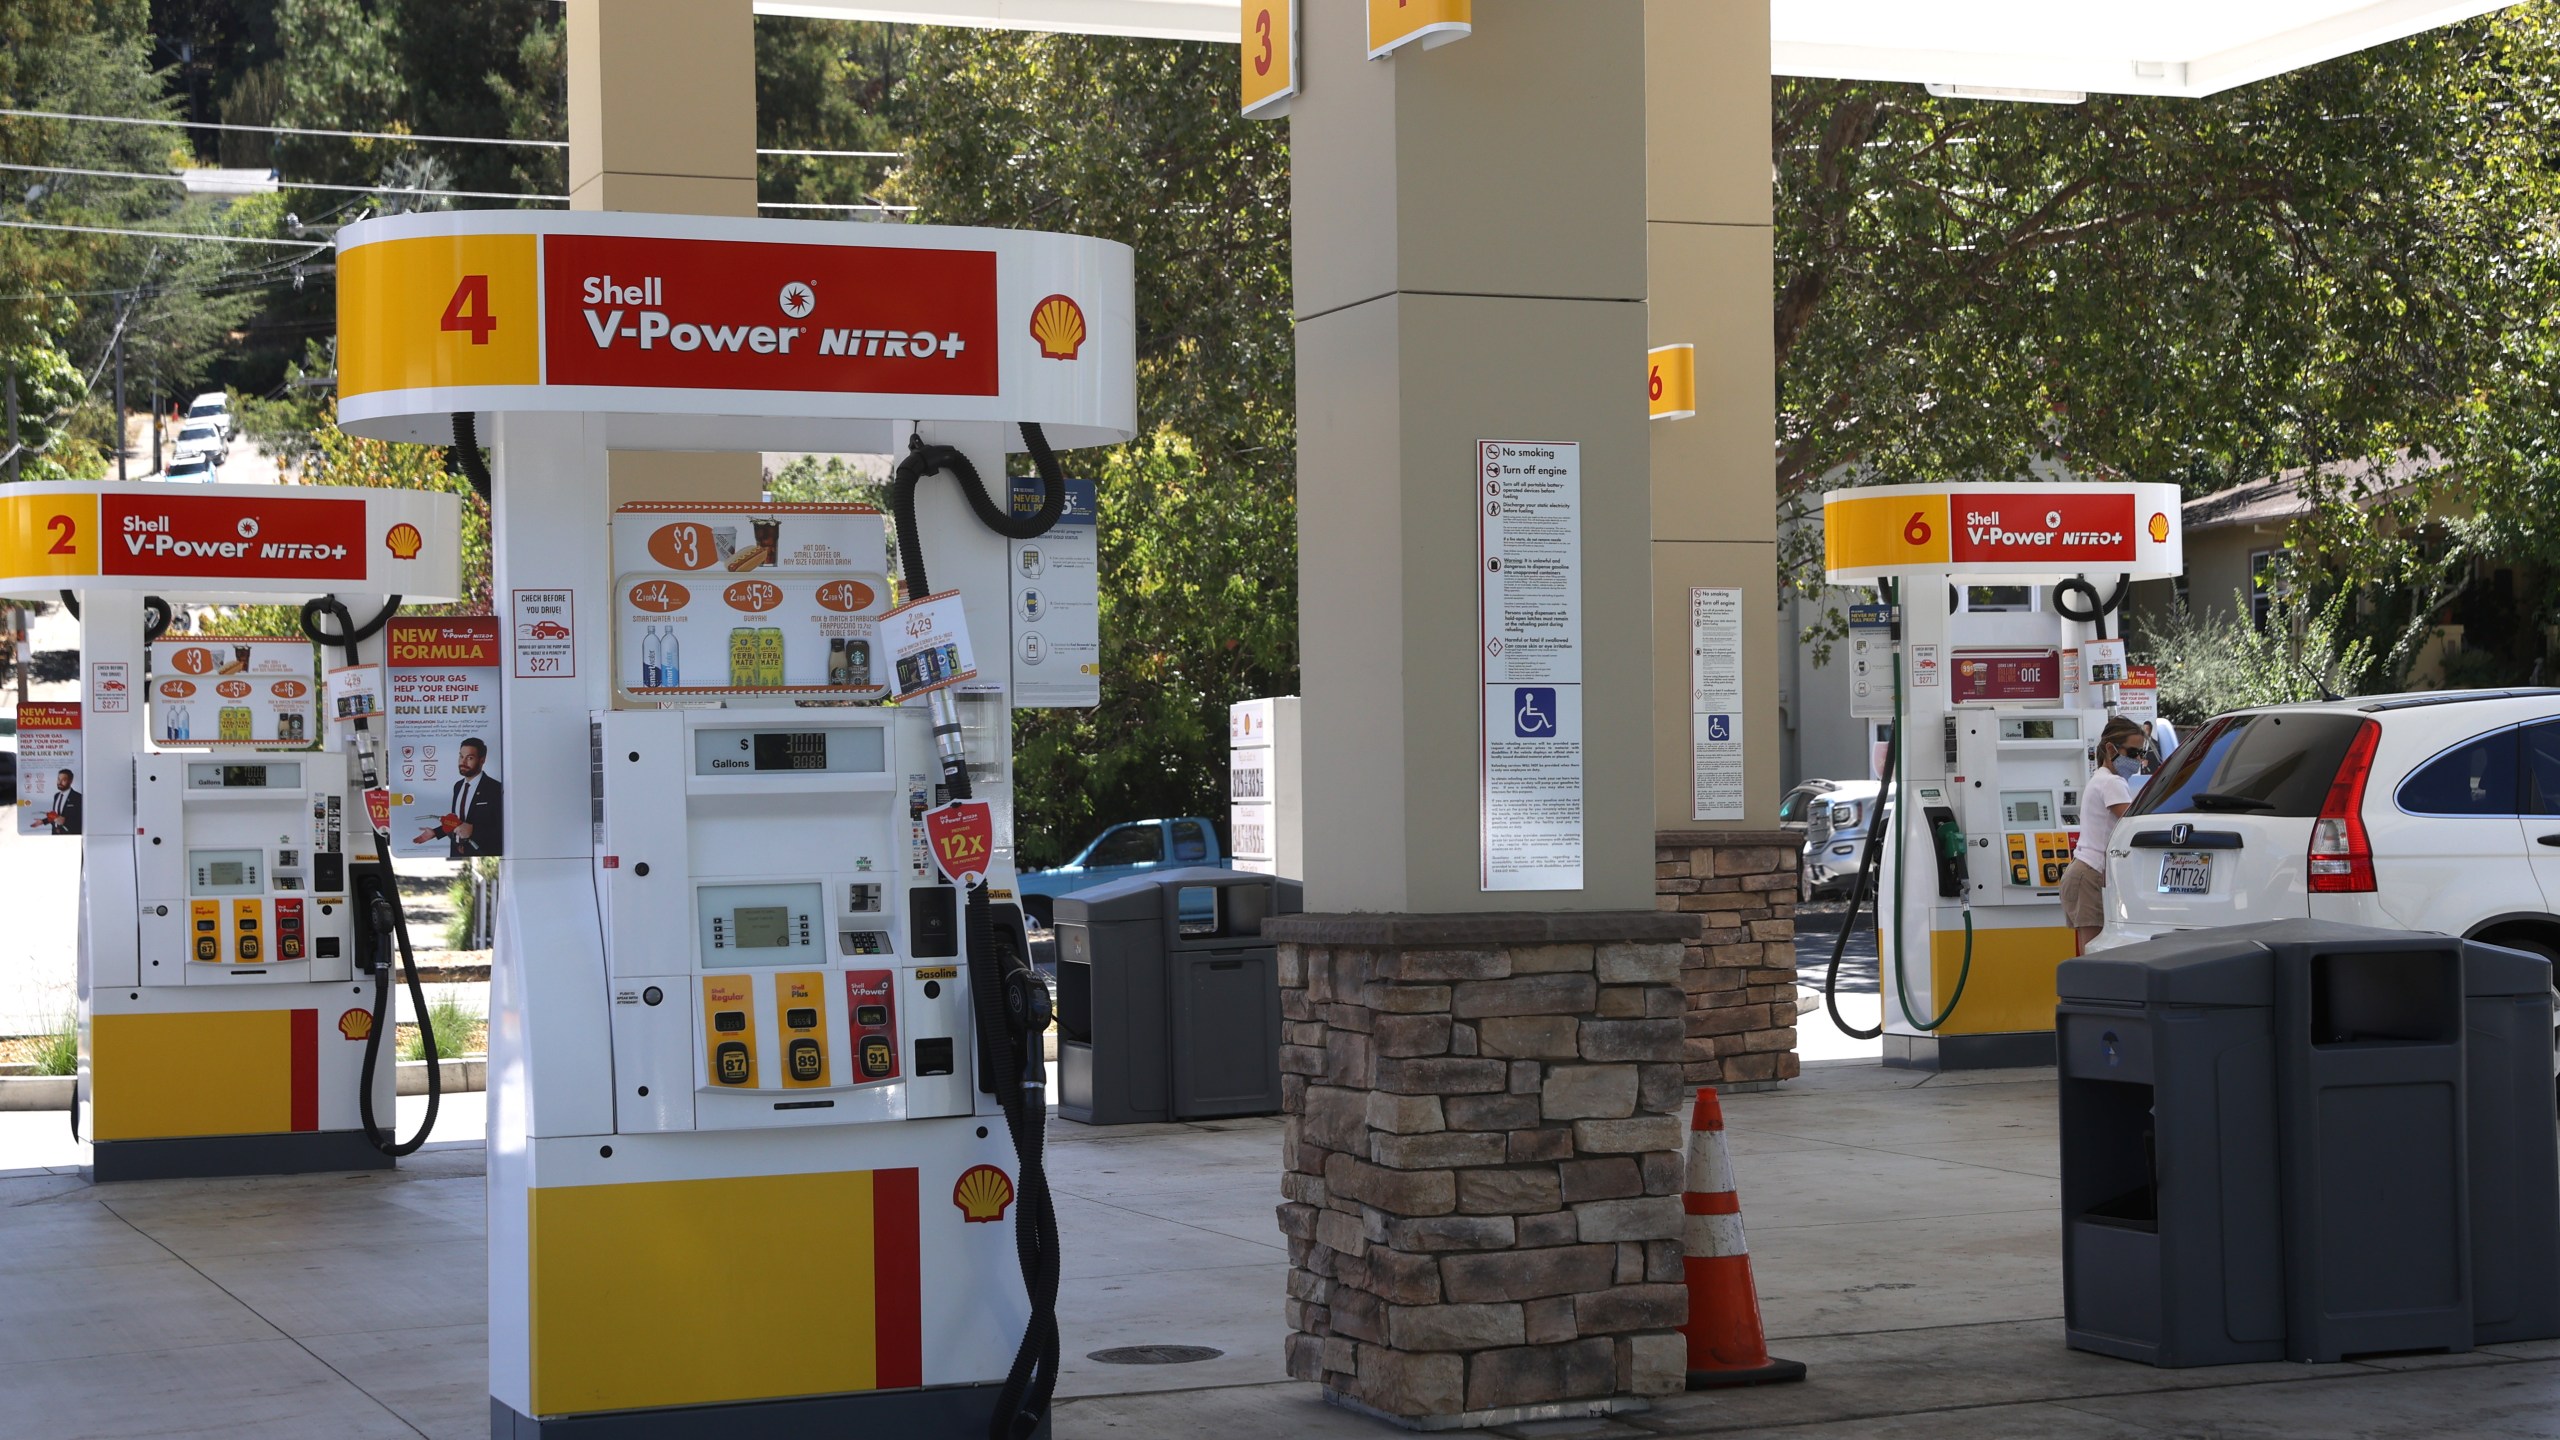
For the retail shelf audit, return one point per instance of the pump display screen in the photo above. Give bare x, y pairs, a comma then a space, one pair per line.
227, 872
763, 927
2021, 810
216, 776
839, 750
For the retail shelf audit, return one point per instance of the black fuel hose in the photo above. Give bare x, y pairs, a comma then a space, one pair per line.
2097, 610
388, 919
1862, 889
466, 452
1009, 1065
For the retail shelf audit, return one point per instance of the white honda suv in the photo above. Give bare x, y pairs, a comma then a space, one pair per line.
2437, 811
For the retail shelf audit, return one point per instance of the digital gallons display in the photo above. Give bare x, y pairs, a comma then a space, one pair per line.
791, 750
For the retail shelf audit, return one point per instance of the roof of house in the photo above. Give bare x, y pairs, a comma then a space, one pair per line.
2275, 499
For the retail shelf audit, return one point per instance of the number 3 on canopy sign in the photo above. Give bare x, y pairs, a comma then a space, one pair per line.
1270, 57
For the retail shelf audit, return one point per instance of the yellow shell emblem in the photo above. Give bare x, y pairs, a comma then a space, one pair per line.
982, 1193
2160, 527
404, 541
1058, 324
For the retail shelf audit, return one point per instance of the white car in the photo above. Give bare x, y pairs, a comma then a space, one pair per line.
203, 435
2436, 811
193, 467
1835, 832
213, 407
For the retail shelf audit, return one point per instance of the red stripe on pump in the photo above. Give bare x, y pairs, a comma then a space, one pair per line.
898, 1279
304, 1026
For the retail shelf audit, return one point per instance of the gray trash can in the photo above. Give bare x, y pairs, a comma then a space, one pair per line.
1169, 997
2515, 1147
2306, 1140
2171, 1233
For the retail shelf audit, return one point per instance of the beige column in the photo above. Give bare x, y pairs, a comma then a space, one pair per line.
1468, 230
662, 117
1708, 271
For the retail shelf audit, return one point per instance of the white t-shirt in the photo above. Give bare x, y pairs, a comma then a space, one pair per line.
2097, 822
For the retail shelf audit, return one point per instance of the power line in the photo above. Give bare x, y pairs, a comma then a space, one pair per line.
165, 234
276, 129
292, 184
813, 205
392, 134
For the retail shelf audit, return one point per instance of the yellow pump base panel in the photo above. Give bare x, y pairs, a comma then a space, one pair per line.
2005, 1018
223, 1092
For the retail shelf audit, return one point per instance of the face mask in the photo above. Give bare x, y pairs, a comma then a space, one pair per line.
2126, 766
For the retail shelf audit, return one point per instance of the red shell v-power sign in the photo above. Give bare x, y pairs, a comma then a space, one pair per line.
2020, 530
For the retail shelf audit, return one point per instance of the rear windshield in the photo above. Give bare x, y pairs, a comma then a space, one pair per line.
2262, 764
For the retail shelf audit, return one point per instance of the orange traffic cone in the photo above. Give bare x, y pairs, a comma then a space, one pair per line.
1726, 1344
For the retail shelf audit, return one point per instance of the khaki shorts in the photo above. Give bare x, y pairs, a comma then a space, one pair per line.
2084, 897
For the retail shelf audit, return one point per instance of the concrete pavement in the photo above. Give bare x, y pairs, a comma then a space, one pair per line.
1904, 1229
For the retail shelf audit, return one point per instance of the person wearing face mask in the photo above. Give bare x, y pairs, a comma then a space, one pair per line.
2122, 749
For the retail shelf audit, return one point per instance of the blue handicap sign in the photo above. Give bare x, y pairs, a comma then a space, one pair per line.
1719, 727
1533, 712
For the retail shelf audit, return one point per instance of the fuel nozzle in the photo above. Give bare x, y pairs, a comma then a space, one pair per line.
385, 919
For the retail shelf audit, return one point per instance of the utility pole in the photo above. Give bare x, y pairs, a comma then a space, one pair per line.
155, 429
13, 422
121, 446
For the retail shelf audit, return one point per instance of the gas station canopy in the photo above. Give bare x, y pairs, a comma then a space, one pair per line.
1984, 47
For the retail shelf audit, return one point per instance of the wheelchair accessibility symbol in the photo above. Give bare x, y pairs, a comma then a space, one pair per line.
1533, 712
1719, 727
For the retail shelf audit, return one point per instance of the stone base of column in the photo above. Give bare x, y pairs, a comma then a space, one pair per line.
1483, 1161
1740, 972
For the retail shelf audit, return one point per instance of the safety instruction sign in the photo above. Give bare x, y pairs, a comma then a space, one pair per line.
1871, 656
446, 775
50, 773
1529, 656
1057, 602
225, 690
1716, 775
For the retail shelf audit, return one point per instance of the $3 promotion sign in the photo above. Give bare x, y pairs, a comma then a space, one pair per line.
963, 835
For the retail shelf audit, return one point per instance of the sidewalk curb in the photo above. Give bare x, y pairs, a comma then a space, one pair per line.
462, 1076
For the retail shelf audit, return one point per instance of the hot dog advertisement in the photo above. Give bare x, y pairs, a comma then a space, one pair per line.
256, 691
765, 598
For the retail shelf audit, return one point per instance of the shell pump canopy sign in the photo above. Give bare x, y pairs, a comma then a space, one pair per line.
700, 332
2021, 531
216, 542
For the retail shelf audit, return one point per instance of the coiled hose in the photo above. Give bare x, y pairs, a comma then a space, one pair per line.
389, 921
1008, 1065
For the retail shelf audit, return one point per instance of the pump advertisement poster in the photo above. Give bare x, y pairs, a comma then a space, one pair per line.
446, 776
235, 690
50, 773
1057, 602
928, 642
779, 597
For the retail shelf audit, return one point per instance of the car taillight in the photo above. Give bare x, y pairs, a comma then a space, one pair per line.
2341, 856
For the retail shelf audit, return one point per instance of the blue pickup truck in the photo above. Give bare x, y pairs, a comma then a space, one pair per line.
1117, 853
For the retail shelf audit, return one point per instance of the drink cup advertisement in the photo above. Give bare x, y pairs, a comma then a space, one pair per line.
355, 693
928, 643
232, 690
717, 599
446, 777
50, 773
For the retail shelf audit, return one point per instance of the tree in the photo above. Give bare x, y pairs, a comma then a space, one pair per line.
1139, 141
2331, 264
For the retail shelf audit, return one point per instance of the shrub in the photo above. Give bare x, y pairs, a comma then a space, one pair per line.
60, 1052
453, 1026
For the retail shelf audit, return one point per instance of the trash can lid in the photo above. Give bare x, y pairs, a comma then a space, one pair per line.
2185, 967
2491, 969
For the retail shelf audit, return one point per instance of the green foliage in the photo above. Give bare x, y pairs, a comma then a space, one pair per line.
2210, 664
1139, 141
2346, 261
50, 389
454, 1025
59, 1054
827, 480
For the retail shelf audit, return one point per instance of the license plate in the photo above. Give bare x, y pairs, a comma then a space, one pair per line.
2186, 872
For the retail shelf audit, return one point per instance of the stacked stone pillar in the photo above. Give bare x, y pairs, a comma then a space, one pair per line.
1484, 1160
1741, 969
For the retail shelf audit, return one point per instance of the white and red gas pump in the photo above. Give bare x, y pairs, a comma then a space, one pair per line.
765, 1085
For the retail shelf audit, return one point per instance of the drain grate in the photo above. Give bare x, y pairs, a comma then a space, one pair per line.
1155, 1355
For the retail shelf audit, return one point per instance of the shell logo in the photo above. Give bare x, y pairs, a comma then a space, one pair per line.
660, 596
753, 596
404, 541
2159, 527
193, 660
1058, 324
232, 689
982, 1193
289, 689
176, 689
355, 1024
845, 596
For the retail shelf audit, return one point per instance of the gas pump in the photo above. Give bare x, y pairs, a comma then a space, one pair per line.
1993, 725
766, 1092
229, 868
